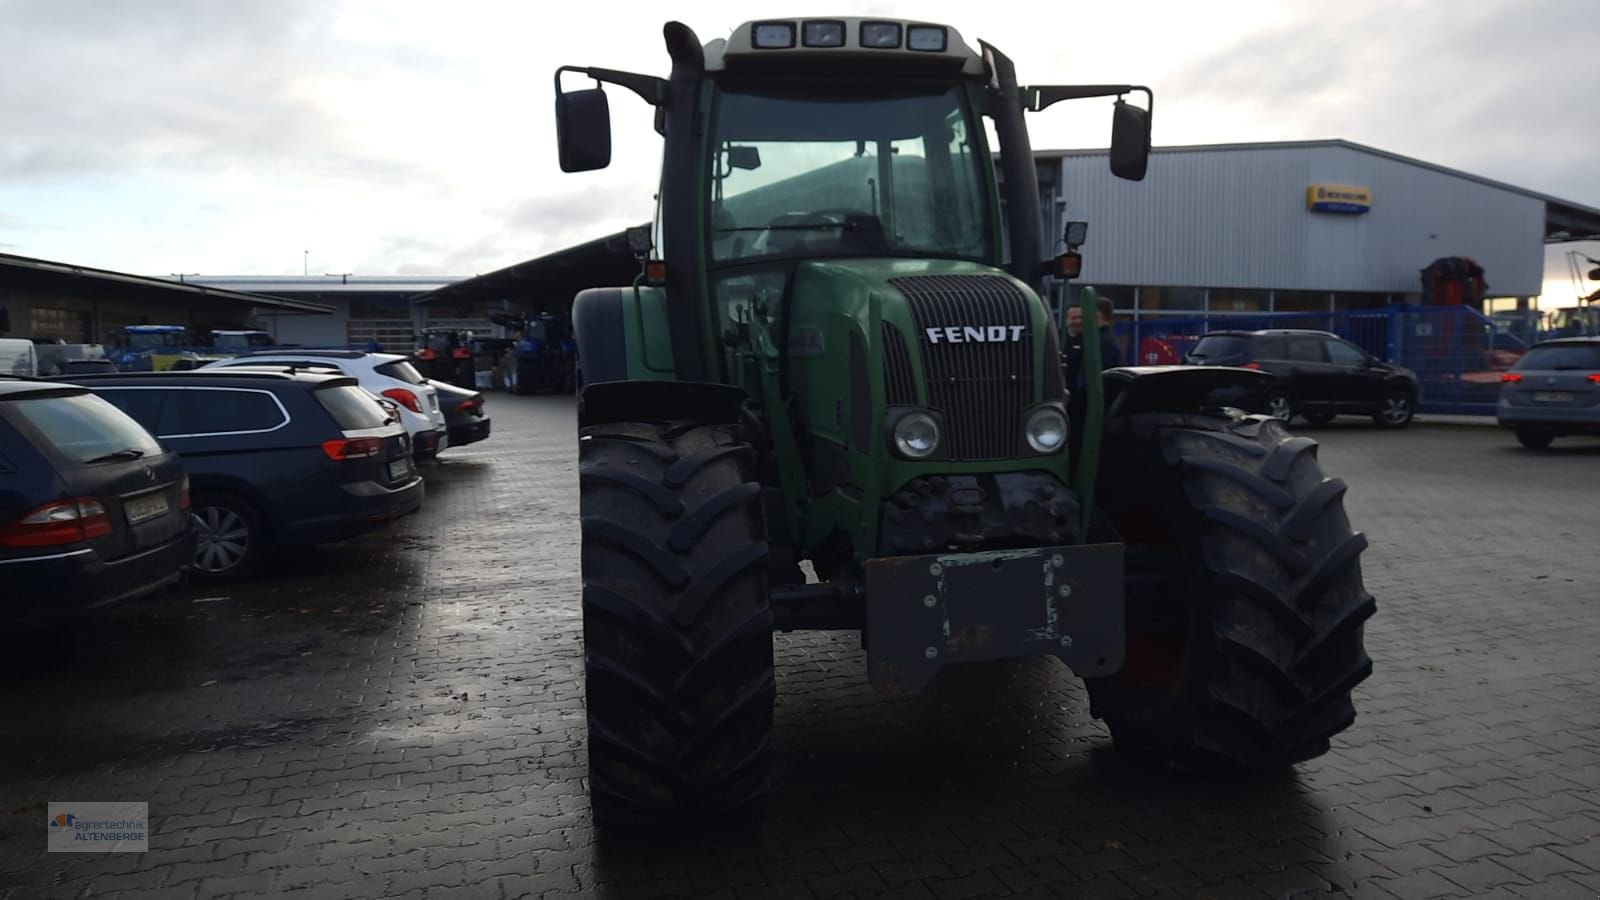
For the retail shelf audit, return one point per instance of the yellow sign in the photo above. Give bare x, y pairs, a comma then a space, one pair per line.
1338, 198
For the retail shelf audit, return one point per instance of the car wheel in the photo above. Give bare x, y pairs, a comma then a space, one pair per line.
231, 539
1534, 440
1279, 406
1318, 418
1396, 410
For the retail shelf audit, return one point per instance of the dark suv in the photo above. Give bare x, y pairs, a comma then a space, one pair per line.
92, 510
1320, 375
276, 457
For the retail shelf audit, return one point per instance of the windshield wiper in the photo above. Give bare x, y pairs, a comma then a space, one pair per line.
128, 453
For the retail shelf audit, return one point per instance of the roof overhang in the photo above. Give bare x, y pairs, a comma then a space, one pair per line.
546, 283
27, 270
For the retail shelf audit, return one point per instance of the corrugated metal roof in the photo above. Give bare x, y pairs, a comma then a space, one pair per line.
326, 284
1563, 212
68, 271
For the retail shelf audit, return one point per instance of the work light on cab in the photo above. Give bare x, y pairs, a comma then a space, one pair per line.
927, 38
822, 34
773, 35
880, 35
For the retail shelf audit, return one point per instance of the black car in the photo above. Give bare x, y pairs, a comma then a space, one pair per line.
92, 510
1320, 375
464, 414
276, 457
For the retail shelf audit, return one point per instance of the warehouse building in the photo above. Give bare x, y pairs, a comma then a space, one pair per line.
51, 301
1308, 226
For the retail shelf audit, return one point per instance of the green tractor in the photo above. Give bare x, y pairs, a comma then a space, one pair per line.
833, 399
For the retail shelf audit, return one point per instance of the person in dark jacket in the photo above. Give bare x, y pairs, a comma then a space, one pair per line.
1110, 355
1072, 368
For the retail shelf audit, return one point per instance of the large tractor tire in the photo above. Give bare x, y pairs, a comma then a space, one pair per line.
1245, 602
677, 624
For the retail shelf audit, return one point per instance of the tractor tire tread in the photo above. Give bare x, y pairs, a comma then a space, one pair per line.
1276, 596
677, 625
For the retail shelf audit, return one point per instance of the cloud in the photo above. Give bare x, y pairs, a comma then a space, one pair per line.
106, 88
1485, 88
407, 136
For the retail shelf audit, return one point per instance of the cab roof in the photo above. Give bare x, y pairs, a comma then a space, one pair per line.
741, 50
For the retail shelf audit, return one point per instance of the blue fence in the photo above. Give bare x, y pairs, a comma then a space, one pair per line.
1457, 352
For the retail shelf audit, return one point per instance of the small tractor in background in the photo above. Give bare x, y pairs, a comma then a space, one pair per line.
445, 354
827, 358
158, 348
545, 351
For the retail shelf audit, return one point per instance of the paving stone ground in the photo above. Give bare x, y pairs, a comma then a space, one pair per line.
403, 717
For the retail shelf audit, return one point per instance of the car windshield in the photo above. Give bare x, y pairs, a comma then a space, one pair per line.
351, 407
155, 340
1571, 356
401, 370
842, 174
83, 427
1220, 346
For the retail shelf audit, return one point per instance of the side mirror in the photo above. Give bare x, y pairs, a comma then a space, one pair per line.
744, 158
583, 130
639, 242
1130, 141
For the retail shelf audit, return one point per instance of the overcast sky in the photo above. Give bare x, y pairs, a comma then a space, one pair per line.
385, 137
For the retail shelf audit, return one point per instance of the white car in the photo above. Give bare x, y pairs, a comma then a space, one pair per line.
387, 375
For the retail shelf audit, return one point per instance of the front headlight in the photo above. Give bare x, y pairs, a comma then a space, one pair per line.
916, 435
1046, 429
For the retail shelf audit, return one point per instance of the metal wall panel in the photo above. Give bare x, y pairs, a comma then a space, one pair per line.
1236, 217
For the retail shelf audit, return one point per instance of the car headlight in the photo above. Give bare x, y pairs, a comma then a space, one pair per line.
1046, 429
916, 435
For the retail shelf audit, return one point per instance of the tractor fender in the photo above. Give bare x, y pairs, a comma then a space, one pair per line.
1145, 389
659, 401
622, 335
600, 325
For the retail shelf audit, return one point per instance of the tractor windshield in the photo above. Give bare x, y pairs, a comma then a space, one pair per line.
843, 174
156, 340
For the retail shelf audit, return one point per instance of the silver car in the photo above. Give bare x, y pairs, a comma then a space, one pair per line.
1552, 391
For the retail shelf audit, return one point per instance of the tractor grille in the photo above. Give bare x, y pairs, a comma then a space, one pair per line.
980, 386
899, 382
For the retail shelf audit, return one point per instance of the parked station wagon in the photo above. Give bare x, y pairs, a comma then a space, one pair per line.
276, 458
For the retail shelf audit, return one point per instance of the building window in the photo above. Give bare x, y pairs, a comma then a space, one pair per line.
380, 308
60, 324
1172, 299
1226, 300
1346, 300
1300, 301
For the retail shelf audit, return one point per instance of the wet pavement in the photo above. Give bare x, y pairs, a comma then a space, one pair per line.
403, 716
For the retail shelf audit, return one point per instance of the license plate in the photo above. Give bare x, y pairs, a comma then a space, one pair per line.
1552, 397
146, 507
401, 469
